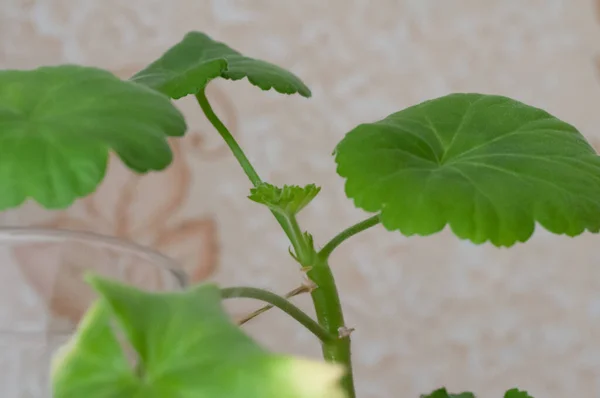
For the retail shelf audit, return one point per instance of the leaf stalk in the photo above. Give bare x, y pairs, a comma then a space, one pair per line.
281, 303
349, 232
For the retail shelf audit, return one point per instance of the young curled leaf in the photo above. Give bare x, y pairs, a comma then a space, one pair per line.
184, 345
487, 166
187, 67
443, 393
288, 201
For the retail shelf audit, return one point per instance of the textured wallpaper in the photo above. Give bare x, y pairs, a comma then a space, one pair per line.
427, 311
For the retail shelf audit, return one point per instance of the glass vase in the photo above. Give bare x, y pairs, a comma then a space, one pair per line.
43, 294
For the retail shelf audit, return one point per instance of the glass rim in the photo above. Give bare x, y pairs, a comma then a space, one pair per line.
44, 234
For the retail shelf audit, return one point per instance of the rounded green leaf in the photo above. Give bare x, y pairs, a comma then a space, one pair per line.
488, 166
57, 125
187, 67
185, 346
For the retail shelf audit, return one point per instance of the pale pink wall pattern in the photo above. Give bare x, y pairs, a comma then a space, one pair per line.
427, 311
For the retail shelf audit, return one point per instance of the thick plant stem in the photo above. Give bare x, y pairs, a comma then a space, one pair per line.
329, 312
348, 233
282, 304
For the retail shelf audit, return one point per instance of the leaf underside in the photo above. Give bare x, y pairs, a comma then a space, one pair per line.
185, 346
187, 67
58, 124
488, 166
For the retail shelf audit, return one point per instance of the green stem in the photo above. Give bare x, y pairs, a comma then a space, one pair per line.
336, 347
228, 138
328, 306
329, 312
347, 233
284, 305
236, 150
295, 292
303, 252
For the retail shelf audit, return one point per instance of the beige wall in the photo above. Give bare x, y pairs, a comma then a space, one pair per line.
427, 311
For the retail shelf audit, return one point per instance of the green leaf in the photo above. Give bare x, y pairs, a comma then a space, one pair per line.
75, 365
288, 200
57, 125
186, 347
442, 393
516, 393
187, 67
488, 166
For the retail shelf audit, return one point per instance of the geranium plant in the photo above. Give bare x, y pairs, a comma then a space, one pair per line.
486, 166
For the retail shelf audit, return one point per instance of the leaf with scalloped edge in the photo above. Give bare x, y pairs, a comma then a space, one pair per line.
488, 166
185, 346
443, 393
288, 200
58, 124
188, 66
